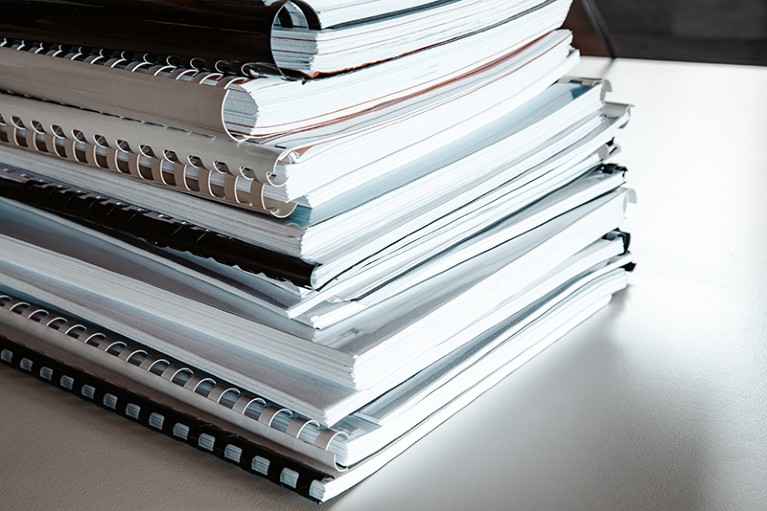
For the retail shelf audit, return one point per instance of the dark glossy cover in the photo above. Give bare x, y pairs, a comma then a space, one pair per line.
119, 218
211, 29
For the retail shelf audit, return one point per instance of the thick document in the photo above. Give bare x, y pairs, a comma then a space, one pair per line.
319, 462
274, 176
266, 247
257, 272
352, 361
261, 105
433, 177
308, 37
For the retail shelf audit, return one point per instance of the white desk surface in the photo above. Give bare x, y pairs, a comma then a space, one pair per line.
659, 402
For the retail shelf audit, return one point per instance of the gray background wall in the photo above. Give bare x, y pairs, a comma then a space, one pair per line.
727, 31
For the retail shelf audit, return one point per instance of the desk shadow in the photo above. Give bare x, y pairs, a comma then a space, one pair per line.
579, 427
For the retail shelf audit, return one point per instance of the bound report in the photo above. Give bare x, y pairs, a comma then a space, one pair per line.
273, 176
350, 362
562, 126
265, 104
265, 438
306, 36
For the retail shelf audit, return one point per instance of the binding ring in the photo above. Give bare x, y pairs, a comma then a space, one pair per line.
96, 150
241, 402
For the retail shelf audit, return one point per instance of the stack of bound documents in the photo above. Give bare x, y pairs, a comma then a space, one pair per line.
299, 234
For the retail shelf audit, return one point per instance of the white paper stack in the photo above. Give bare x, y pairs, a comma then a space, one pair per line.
304, 276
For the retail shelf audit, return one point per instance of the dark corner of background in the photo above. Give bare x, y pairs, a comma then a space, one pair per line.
718, 31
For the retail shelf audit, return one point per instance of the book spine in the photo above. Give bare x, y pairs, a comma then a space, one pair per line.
101, 212
197, 433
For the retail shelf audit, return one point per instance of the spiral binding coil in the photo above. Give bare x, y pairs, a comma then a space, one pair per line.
206, 437
218, 73
194, 380
214, 181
